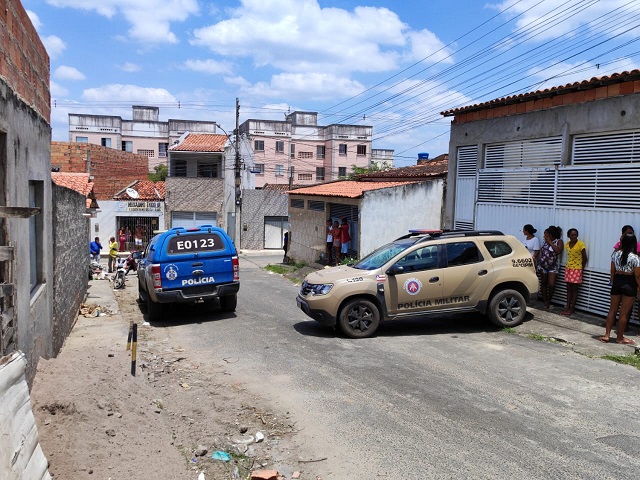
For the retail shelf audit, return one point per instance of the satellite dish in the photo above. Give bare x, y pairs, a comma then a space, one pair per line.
132, 193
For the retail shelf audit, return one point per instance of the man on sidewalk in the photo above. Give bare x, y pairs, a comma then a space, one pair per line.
94, 250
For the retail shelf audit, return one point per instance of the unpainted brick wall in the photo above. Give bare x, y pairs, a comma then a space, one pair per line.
25, 65
112, 170
71, 261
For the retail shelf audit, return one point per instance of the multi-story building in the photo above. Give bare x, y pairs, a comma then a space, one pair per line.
145, 134
301, 152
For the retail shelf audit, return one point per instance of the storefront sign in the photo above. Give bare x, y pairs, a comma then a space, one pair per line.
140, 206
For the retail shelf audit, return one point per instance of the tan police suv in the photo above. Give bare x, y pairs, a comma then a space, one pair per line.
425, 273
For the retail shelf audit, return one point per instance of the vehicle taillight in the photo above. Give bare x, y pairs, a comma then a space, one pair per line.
155, 275
236, 268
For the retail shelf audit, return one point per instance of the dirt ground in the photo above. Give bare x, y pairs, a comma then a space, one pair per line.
96, 420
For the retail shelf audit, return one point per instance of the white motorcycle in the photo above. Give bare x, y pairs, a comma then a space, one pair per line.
121, 271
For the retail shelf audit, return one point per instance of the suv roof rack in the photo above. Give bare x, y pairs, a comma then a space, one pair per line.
430, 234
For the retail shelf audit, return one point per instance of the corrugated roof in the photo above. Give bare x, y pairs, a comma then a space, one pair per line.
281, 187
75, 181
345, 188
594, 82
148, 191
433, 168
201, 142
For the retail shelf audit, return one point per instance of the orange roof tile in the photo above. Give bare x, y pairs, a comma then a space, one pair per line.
75, 181
147, 191
437, 167
594, 82
201, 142
345, 188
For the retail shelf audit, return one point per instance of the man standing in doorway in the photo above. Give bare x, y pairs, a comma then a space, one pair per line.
345, 238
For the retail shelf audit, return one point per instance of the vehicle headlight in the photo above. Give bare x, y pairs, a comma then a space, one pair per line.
321, 289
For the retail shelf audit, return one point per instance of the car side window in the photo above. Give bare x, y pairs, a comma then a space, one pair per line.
425, 258
462, 253
498, 248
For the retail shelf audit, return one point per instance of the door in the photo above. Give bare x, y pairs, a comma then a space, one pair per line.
466, 275
274, 230
419, 287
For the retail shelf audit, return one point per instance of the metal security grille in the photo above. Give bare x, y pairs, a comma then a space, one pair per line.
297, 203
618, 147
463, 225
316, 206
528, 187
544, 152
600, 187
467, 161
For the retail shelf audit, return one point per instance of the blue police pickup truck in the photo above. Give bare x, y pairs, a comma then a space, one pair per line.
189, 265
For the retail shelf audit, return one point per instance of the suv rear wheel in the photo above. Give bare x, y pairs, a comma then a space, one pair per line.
507, 308
228, 303
359, 318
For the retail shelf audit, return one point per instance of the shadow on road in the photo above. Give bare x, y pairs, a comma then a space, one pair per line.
187, 314
462, 323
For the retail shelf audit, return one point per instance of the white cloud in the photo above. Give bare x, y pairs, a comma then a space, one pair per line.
54, 45
239, 81
150, 20
306, 86
34, 19
534, 12
128, 93
300, 36
210, 66
129, 67
64, 72
57, 90
425, 44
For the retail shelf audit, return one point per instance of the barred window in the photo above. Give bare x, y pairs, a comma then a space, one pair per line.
305, 176
305, 155
147, 153
297, 203
316, 206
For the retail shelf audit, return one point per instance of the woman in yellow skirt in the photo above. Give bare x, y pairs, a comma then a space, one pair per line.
576, 261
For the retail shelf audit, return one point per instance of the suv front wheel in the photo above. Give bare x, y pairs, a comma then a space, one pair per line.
359, 318
507, 308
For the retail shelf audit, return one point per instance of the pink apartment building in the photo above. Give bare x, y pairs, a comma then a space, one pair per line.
301, 152
144, 134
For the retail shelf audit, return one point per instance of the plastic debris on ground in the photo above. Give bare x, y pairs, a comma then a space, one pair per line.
222, 456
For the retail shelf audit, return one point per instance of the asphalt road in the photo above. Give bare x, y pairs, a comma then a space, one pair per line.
434, 398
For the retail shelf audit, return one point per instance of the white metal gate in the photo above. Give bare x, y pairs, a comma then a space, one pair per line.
274, 230
193, 219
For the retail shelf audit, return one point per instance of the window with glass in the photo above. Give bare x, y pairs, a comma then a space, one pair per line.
105, 142
162, 150
342, 171
82, 139
36, 198
127, 146
279, 170
462, 253
279, 146
361, 150
292, 150
320, 151
319, 173
179, 168
342, 149
207, 169
425, 258
498, 248
258, 168
258, 145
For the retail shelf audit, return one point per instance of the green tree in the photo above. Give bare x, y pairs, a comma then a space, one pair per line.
374, 167
160, 174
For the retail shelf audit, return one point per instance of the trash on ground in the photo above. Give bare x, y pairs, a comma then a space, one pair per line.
222, 456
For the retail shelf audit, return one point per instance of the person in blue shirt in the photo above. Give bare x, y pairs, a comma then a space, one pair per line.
94, 249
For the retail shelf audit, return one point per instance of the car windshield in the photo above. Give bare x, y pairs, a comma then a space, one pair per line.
385, 253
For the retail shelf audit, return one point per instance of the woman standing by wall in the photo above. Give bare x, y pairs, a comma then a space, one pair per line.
531, 242
625, 277
576, 261
548, 263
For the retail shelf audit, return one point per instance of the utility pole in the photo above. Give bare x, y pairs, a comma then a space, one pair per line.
238, 208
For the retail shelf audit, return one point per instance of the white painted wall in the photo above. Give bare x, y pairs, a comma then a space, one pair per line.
389, 213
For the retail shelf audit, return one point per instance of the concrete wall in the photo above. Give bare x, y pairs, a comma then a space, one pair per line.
70, 233
389, 213
112, 169
568, 120
257, 204
194, 195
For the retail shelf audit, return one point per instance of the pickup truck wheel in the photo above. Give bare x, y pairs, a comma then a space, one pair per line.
154, 310
229, 303
507, 308
359, 318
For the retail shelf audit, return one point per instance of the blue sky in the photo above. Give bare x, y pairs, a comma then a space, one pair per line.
391, 64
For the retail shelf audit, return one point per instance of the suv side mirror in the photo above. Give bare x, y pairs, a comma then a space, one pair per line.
395, 269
